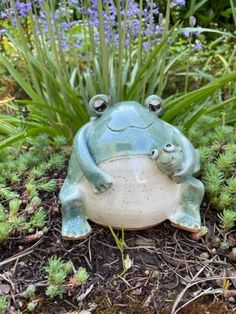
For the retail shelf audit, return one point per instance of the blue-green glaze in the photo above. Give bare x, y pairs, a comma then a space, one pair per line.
124, 129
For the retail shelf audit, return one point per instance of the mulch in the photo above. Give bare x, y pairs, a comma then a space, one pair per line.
171, 271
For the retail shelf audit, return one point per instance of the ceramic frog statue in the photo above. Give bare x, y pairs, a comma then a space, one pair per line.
129, 169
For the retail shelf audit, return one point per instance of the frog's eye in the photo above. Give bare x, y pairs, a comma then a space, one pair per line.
154, 103
169, 148
99, 104
154, 153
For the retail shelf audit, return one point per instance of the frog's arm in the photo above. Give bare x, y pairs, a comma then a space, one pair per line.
189, 155
97, 177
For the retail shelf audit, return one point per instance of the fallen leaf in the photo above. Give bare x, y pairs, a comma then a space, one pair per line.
127, 263
4, 288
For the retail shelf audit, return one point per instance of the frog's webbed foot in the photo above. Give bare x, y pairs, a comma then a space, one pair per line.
185, 221
74, 221
74, 224
76, 229
187, 214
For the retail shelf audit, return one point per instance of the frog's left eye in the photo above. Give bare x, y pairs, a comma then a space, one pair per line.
154, 103
169, 148
99, 104
154, 153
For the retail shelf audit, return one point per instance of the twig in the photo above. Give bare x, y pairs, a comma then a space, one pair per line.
125, 281
89, 250
21, 254
206, 292
8, 280
179, 297
129, 247
176, 262
71, 304
192, 283
177, 242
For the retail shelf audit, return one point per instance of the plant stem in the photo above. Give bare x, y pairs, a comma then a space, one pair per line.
121, 52
187, 66
233, 11
104, 50
165, 32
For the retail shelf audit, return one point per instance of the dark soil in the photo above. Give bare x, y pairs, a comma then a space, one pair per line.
171, 272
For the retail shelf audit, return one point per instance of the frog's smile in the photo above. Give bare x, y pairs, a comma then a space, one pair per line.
130, 126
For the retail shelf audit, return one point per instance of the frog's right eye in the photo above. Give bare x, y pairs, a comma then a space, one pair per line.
169, 148
154, 153
154, 104
99, 104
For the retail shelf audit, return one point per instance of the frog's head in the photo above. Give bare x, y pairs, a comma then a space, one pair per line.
169, 158
126, 114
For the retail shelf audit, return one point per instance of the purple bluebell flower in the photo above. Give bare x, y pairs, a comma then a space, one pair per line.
186, 34
197, 46
146, 46
23, 8
180, 3
74, 2
72, 13
192, 21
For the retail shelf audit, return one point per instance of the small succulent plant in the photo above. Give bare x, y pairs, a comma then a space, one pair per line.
58, 272
218, 171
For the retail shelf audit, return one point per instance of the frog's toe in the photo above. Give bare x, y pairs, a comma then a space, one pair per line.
186, 221
75, 229
102, 187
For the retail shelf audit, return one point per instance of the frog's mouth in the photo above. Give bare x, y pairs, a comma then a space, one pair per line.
123, 128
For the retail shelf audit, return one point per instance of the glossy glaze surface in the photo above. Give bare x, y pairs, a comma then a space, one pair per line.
139, 196
130, 169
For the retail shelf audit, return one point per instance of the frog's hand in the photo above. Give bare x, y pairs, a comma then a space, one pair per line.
189, 156
97, 177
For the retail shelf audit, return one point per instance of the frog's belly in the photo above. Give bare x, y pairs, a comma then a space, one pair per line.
141, 195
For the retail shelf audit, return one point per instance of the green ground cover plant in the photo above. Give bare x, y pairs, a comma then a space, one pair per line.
61, 278
57, 275
218, 166
3, 304
25, 175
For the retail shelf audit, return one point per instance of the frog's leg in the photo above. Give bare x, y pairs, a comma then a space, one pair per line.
187, 214
74, 221
190, 157
99, 180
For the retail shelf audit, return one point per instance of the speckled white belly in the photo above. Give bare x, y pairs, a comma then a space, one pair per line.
141, 195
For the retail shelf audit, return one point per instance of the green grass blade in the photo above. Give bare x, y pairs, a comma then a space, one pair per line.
188, 100
205, 30
12, 139
194, 117
147, 65
222, 105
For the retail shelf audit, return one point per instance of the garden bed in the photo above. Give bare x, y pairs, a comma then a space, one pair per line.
170, 269
54, 57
